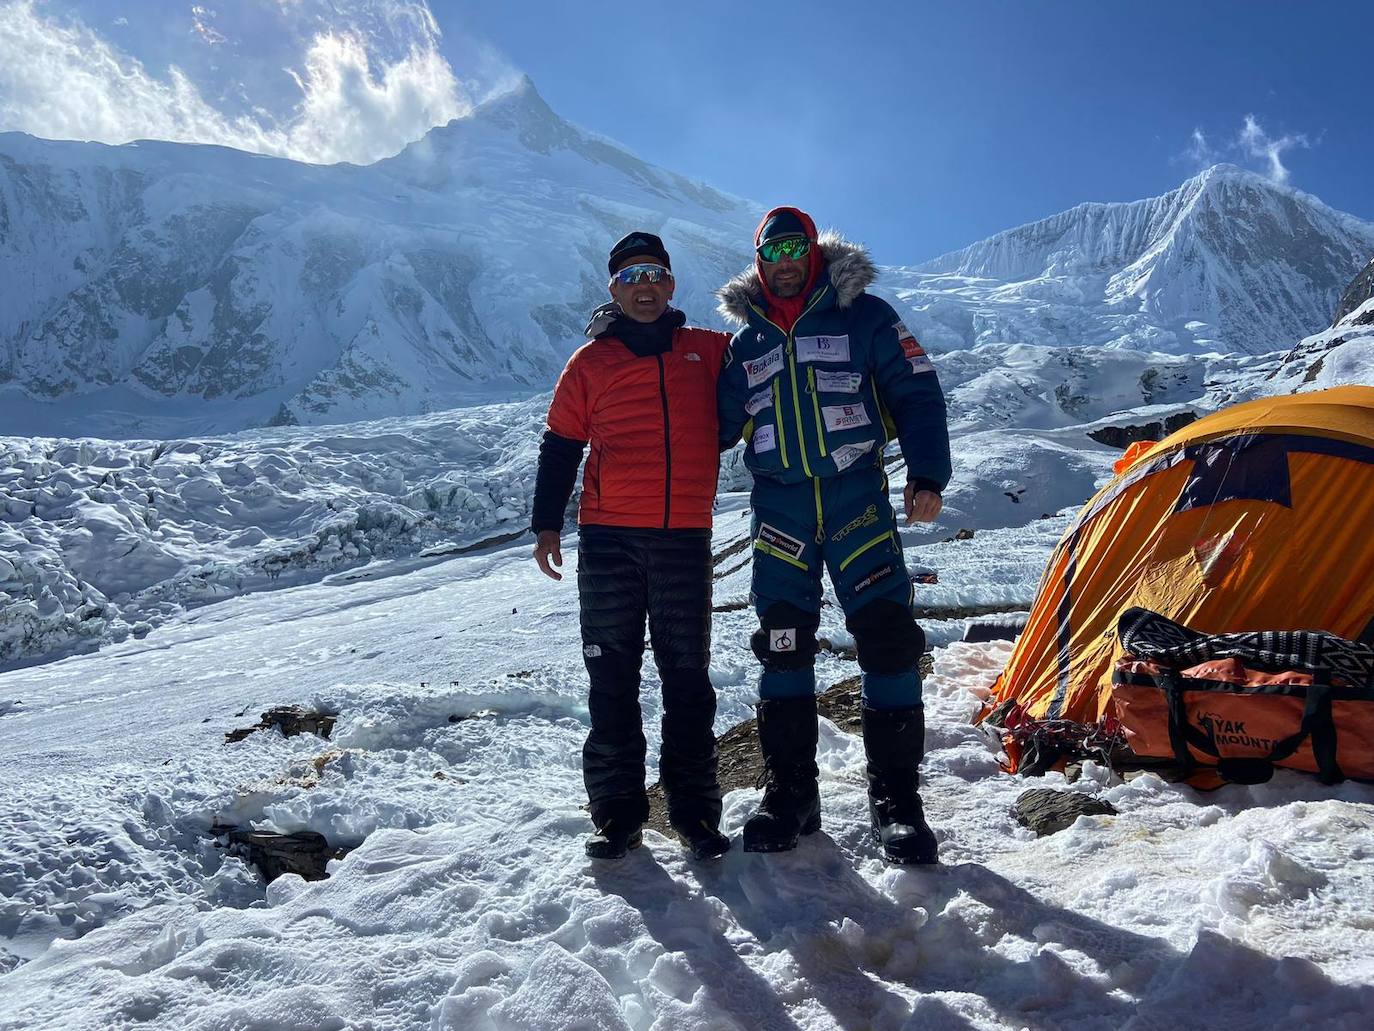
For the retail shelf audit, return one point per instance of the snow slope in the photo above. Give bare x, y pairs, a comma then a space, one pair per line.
1227, 263
467, 904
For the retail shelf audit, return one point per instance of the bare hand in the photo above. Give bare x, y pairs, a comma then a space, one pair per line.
549, 548
921, 505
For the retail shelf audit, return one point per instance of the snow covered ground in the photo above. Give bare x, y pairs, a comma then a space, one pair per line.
466, 902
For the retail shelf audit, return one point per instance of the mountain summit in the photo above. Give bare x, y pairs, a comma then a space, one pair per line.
166, 289
1228, 262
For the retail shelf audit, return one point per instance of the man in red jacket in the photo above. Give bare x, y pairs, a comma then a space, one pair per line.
642, 393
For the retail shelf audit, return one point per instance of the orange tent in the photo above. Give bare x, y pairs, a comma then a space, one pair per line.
1257, 517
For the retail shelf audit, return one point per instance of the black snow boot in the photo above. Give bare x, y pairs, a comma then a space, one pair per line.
895, 742
701, 837
791, 803
614, 838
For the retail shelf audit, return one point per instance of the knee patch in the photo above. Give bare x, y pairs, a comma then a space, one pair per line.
786, 637
886, 636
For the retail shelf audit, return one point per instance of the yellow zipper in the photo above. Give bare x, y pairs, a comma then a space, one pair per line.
863, 548
792, 374
820, 519
777, 410
768, 549
816, 405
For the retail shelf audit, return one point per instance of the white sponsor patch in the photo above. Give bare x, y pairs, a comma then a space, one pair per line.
823, 349
779, 541
921, 364
839, 382
692, 356
763, 367
764, 439
592, 651
782, 640
845, 417
763, 399
902, 332
850, 453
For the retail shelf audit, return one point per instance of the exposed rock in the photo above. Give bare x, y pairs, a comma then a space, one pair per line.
290, 720
1047, 811
1124, 436
1361, 289
302, 852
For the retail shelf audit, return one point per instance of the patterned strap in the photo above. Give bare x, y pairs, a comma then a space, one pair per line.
1149, 635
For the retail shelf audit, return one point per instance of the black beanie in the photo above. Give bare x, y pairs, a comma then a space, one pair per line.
637, 245
781, 226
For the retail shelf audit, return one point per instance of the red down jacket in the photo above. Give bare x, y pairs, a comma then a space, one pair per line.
651, 424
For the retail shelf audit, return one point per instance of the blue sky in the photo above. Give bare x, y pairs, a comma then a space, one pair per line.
916, 127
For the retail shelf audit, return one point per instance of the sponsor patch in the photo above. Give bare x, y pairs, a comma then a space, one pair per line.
912, 350
868, 518
839, 382
845, 417
692, 356
847, 455
764, 439
823, 349
877, 576
762, 368
782, 640
592, 651
920, 365
779, 541
763, 399
903, 334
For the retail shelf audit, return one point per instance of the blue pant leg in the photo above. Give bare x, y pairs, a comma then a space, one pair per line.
785, 587
863, 553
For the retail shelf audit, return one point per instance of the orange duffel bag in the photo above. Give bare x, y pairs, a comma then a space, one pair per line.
1233, 706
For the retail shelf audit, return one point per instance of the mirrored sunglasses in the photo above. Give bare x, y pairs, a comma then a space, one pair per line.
793, 246
632, 275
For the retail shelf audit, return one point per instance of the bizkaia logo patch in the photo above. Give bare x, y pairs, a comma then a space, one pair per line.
845, 417
782, 640
877, 576
762, 368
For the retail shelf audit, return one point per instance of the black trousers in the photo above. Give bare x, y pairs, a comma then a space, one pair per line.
623, 576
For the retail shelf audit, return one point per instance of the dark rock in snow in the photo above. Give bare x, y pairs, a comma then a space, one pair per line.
1125, 436
303, 852
290, 720
1361, 289
1047, 811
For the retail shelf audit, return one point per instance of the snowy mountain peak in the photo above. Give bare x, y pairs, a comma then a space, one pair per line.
1227, 261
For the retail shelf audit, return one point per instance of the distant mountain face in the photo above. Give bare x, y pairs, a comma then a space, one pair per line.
162, 289
166, 289
1228, 262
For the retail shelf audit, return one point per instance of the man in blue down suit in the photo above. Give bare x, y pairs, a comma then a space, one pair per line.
821, 376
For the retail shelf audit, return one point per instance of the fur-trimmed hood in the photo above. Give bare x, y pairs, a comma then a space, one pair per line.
850, 268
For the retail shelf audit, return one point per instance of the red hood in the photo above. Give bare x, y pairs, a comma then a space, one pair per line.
786, 311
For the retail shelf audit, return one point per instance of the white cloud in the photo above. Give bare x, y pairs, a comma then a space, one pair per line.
61, 79
202, 20
1255, 142
1250, 145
